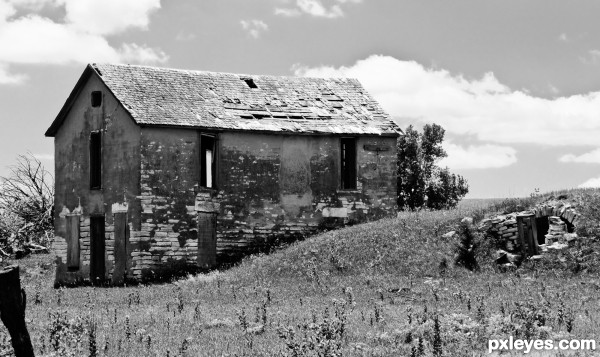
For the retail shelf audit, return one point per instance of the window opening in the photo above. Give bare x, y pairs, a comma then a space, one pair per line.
95, 160
96, 99
348, 163
207, 161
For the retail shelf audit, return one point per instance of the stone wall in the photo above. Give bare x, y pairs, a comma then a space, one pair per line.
267, 188
504, 226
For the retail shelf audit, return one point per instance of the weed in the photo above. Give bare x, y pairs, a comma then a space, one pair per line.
466, 247
437, 337
243, 319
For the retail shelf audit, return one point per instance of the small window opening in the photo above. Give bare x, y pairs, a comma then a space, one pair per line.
250, 82
95, 160
348, 163
96, 99
207, 161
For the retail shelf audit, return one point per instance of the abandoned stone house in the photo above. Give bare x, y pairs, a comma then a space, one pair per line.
157, 166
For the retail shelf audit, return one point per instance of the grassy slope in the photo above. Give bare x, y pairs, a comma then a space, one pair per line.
367, 290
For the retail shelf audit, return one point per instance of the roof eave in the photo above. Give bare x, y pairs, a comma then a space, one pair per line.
274, 132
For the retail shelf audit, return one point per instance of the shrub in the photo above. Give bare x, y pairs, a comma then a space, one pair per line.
466, 247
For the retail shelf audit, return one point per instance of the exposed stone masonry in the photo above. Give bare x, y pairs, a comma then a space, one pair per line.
505, 226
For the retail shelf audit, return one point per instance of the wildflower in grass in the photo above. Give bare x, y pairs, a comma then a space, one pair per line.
148, 342
185, 345
197, 312
264, 313
437, 337
350, 296
243, 319
127, 328
268, 296
59, 296
92, 347
38, 298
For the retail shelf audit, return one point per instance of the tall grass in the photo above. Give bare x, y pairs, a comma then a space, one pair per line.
386, 288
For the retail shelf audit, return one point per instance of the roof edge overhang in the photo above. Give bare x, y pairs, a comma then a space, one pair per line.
273, 132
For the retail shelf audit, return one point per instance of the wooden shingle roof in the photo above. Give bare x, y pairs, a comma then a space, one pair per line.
225, 101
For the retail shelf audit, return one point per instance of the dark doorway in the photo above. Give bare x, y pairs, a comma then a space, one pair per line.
97, 249
120, 251
542, 225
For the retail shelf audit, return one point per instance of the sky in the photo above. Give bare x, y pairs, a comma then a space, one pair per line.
516, 84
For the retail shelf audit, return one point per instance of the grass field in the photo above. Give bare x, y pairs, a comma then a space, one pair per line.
386, 288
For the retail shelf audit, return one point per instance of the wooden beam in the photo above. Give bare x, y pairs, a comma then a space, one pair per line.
522, 233
12, 311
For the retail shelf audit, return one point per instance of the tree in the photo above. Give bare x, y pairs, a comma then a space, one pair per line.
26, 197
421, 183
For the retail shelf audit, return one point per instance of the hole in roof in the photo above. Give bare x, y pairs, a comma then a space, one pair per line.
250, 82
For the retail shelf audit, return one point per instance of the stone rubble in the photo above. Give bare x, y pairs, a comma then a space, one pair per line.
559, 215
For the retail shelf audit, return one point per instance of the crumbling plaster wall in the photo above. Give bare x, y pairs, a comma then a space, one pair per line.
120, 175
268, 186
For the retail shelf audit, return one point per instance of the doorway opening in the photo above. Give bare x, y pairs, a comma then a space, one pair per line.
97, 250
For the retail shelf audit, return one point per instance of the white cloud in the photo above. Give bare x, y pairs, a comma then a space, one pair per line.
591, 183
484, 107
316, 8
478, 156
563, 37
104, 17
132, 52
592, 157
184, 36
79, 38
287, 12
8, 78
329, 9
254, 27
593, 57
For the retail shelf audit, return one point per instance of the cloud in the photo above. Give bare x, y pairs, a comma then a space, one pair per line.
287, 12
563, 37
255, 28
8, 78
185, 36
591, 183
482, 107
478, 156
593, 57
80, 38
106, 17
315, 8
132, 52
592, 157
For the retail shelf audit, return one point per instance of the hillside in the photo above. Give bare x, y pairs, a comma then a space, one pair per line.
386, 288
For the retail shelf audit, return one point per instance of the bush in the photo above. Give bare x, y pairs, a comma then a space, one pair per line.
466, 247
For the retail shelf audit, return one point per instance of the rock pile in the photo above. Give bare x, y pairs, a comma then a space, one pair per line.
505, 227
556, 231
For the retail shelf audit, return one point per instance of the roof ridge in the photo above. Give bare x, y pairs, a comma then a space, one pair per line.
241, 75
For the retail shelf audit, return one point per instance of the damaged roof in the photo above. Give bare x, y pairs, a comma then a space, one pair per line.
183, 98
